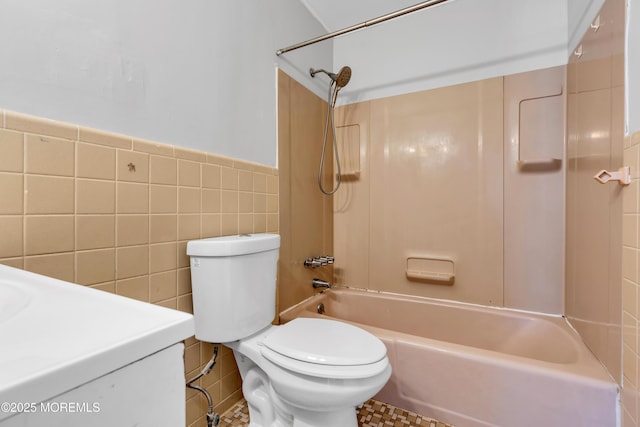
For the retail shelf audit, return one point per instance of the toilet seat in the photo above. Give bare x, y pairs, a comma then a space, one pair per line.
325, 348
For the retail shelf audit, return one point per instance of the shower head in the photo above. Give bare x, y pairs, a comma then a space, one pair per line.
341, 79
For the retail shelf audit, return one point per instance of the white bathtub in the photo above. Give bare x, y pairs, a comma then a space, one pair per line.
471, 366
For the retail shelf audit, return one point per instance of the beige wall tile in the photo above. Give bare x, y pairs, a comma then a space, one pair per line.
228, 224
259, 223
188, 227
132, 230
259, 182
188, 173
630, 366
95, 266
163, 170
10, 236
243, 165
630, 197
95, 231
132, 166
630, 331
48, 234
11, 151
629, 264
136, 288
183, 258
629, 297
58, 266
184, 281
245, 223
259, 203
185, 303
245, 180
104, 138
12, 193
188, 154
13, 262
163, 199
152, 147
228, 178
229, 201
273, 225
210, 225
192, 357
162, 257
49, 156
105, 287
95, 161
163, 228
630, 227
272, 203
189, 200
210, 176
132, 261
216, 159
210, 200
163, 286
132, 198
170, 303
49, 195
95, 197
31, 124
245, 202
272, 184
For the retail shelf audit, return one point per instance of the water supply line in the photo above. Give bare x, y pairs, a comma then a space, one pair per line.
213, 419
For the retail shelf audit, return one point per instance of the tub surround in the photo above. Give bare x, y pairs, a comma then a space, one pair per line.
306, 215
115, 213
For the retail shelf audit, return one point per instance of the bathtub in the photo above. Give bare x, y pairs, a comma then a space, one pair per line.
470, 365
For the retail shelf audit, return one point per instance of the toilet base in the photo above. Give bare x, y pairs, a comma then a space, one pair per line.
267, 409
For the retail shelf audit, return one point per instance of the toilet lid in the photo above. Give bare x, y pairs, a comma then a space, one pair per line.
325, 342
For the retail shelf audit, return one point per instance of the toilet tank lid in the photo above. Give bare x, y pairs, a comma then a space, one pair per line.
233, 245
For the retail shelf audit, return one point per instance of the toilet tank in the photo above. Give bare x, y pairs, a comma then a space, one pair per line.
233, 281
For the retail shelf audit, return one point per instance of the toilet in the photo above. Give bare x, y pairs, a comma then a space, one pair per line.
306, 373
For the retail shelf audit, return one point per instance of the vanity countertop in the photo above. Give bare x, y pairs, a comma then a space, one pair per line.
55, 335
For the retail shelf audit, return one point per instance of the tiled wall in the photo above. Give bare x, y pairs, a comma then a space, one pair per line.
595, 141
115, 213
631, 287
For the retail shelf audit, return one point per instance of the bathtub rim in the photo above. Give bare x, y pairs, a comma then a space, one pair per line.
587, 368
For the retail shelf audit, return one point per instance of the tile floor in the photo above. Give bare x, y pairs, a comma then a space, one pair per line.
372, 414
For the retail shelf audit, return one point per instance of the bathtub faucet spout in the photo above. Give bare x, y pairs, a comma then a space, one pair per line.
317, 283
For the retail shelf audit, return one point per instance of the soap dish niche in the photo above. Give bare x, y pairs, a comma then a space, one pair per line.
431, 270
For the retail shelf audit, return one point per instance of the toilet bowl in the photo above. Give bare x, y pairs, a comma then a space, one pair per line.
306, 373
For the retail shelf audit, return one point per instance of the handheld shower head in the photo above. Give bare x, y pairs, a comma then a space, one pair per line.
341, 79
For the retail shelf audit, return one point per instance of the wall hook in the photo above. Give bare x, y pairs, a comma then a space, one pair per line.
578, 51
623, 176
132, 167
595, 26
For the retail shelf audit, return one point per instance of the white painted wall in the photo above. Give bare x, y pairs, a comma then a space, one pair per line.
454, 42
198, 74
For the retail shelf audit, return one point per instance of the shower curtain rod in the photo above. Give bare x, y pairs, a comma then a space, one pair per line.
364, 24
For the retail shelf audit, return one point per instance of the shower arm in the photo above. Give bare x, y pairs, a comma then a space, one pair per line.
364, 24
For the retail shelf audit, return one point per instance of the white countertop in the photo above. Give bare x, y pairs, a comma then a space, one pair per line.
55, 335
